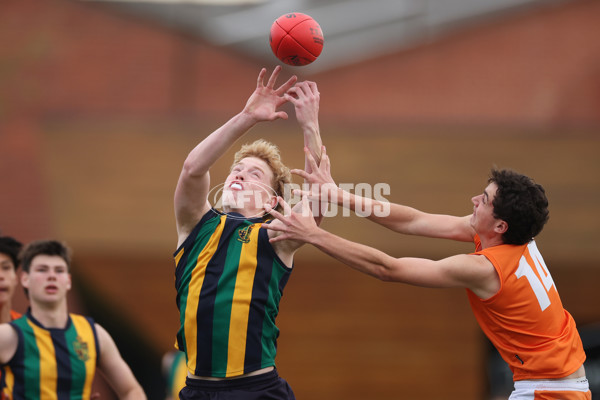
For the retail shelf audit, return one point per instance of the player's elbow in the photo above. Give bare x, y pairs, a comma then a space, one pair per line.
385, 275
191, 169
389, 269
384, 271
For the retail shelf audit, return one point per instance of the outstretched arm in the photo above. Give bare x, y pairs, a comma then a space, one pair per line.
467, 271
305, 97
410, 221
191, 193
399, 218
115, 370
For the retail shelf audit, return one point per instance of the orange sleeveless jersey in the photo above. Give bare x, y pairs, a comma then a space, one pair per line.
526, 320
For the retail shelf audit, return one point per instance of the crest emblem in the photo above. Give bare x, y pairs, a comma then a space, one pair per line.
81, 349
244, 234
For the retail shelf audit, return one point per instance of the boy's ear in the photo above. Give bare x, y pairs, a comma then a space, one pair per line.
501, 227
24, 279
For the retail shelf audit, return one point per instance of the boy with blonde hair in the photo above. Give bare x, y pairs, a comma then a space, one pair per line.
229, 278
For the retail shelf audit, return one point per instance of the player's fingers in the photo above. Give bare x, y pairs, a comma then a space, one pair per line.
311, 159
325, 163
274, 227
261, 77
277, 238
287, 85
287, 210
300, 172
281, 114
273, 77
291, 96
275, 214
300, 193
313, 88
303, 87
306, 205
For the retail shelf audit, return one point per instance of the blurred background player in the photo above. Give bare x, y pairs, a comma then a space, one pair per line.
9, 262
49, 353
229, 278
174, 372
509, 287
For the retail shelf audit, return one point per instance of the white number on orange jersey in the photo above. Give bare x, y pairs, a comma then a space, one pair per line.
542, 286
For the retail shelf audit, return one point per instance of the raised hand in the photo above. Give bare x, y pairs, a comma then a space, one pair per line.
292, 224
319, 174
305, 97
321, 183
266, 99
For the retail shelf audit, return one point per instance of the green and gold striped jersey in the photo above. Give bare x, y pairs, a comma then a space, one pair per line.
52, 363
229, 283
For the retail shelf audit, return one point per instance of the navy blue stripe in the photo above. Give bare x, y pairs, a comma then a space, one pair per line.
204, 317
179, 268
283, 281
2, 378
260, 296
17, 364
63, 364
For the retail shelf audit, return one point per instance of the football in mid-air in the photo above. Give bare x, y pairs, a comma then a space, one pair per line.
296, 39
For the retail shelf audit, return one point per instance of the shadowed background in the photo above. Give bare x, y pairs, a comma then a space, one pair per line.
99, 108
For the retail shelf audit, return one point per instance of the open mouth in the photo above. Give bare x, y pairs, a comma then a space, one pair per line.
236, 186
51, 289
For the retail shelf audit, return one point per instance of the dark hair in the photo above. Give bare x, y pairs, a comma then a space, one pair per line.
11, 247
45, 247
520, 202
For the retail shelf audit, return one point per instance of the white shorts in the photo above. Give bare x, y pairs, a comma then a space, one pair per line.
552, 389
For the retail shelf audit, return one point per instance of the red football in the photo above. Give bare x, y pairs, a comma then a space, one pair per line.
296, 39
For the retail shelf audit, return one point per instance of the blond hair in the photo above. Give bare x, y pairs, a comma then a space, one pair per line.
269, 153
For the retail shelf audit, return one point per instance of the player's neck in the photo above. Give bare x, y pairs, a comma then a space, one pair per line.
246, 211
491, 241
51, 316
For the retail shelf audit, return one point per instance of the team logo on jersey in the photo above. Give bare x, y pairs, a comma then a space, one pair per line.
244, 234
81, 349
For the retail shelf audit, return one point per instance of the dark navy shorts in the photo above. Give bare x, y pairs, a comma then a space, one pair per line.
268, 386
